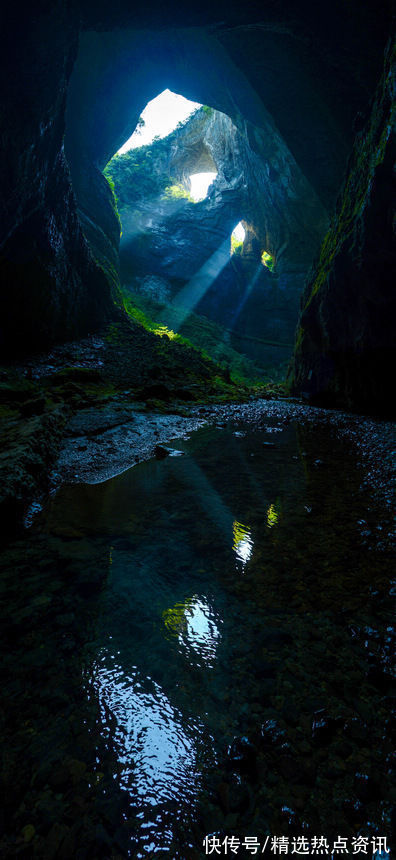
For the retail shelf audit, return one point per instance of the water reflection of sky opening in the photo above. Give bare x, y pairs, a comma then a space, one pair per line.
202, 633
243, 543
196, 628
156, 745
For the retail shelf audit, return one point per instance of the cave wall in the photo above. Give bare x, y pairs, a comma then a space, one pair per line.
176, 239
263, 186
50, 285
345, 344
313, 67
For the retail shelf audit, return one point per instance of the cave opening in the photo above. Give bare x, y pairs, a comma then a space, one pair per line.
237, 238
187, 267
200, 184
159, 118
200, 646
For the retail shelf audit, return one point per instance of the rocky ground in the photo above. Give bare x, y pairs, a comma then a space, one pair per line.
88, 388
65, 418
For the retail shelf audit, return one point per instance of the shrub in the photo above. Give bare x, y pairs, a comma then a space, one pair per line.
176, 192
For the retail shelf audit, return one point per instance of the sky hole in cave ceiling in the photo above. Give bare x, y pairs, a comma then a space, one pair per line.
161, 116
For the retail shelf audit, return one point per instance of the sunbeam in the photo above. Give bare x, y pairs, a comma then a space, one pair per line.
190, 295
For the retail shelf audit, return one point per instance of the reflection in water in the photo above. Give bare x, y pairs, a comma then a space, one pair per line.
185, 655
243, 544
273, 514
193, 622
201, 633
154, 742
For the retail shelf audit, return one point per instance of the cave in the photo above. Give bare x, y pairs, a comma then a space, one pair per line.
197, 435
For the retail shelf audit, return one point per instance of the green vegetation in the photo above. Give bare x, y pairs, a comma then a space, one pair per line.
132, 177
236, 245
114, 199
268, 261
141, 317
177, 192
139, 174
197, 332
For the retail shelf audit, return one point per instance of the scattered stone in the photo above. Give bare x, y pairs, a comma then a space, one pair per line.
242, 755
161, 452
271, 733
324, 727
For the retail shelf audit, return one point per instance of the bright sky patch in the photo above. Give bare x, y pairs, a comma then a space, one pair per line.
161, 116
200, 183
239, 232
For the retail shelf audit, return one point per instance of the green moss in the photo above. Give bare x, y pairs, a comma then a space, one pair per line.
197, 331
113, 199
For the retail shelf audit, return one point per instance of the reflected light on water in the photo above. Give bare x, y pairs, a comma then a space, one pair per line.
156, 745
194, 624
273, 514
243, 543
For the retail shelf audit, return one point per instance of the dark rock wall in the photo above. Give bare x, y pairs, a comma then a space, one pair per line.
50, 286
345, 341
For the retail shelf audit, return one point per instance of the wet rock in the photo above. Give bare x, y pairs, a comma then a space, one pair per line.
289, 768
239, 797
242, 755
324, 727
290, 817
379, 679
161, 452
223, 792
356, 730
272, 734
352, 810
274, 638
365, 787
340, 355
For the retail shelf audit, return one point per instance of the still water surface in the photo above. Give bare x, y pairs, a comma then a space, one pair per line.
242, 596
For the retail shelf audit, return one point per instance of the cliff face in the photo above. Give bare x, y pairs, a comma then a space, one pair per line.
50, 285
345, 339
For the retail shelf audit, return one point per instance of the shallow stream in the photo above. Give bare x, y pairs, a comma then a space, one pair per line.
201, 645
